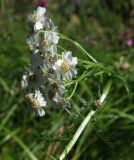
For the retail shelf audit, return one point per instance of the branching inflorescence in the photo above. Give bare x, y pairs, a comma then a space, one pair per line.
43, 80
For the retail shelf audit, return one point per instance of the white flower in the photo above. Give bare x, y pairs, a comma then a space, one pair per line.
43, 79
38, 18
61, 102
55, 87
54, 37
33, 43
37, 102
36, 76
66, 66
50, 25
50, 38
51, 57
30, 75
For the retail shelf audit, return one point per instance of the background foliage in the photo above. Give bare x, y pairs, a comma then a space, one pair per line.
105, 29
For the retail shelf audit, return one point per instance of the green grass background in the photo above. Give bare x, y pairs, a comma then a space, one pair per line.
101, 26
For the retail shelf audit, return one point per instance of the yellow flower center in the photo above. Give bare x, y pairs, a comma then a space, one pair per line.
54, 84
42, 71
42, 55
45, 43
36, 18
32, 76
22, 84
51, 59
65, 66
30, 47
33, 102
29, 97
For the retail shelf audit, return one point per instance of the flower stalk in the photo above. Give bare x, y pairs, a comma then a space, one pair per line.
78, 46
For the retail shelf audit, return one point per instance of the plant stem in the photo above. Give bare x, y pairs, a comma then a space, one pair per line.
77, 134
78, 46
84, 123
73, 91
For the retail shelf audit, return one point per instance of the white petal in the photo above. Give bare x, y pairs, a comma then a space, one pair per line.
55, 67
53, 50
59, 62
46, 35
43, 103
38, 26
64, 55
41, 11
41, 112
24, 77
66, 76
73, 72
74, 60
37, 94
69, 57
55, 39
57, 75
70, 75
69, 54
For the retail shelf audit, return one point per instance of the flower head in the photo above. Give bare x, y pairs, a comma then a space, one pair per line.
61, 102
42, 81
32, 43
38, 18
37, 102
50, 38
66, 66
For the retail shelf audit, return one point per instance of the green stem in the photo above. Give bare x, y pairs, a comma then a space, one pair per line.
76, 84
106, 91
84, 123
82, 77
77, 135
78, 46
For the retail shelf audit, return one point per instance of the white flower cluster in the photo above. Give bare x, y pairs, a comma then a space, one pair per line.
42, 82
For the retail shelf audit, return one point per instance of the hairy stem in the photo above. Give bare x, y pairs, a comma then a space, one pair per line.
84, 123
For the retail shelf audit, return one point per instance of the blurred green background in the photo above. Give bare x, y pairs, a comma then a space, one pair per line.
106, 29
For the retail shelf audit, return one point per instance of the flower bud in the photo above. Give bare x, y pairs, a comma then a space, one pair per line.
43, 3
